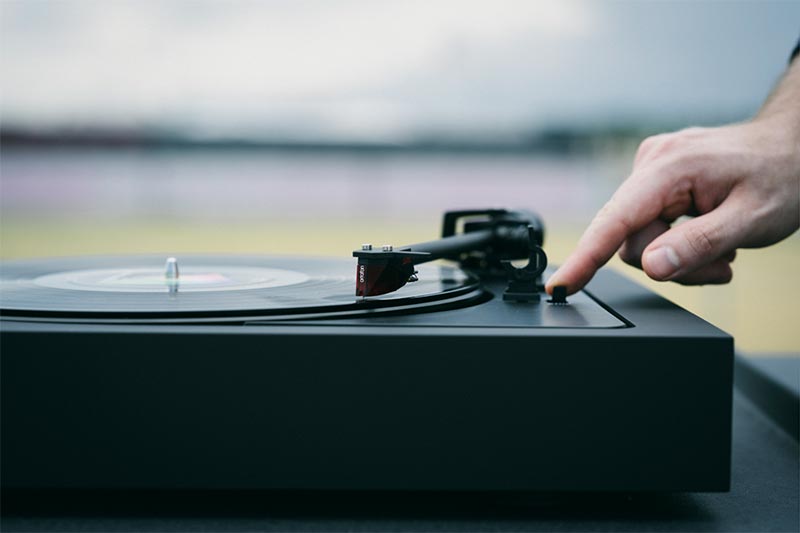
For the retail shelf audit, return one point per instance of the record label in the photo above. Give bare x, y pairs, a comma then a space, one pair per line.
191, 279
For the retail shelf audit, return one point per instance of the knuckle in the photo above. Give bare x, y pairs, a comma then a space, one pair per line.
689, 160
672, 143
692, 131
606, 214
614, 214
645, 146
701, 240
726, 277
650, 146
596, 260
625, 220
667, 144
677, 146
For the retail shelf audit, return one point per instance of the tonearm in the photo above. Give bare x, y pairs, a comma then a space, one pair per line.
487, 243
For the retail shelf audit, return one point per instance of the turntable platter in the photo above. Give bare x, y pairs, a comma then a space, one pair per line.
208, 288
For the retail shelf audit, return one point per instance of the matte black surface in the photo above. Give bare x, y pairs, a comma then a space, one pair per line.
764, 497
583, 313
387, 403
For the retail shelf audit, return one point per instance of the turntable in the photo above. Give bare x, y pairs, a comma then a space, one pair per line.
442, 366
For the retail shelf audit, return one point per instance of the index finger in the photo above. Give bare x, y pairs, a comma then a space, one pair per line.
637, 202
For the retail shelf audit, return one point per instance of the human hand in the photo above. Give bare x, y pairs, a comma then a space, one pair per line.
740, 182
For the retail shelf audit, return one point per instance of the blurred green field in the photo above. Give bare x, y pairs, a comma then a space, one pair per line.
760, 307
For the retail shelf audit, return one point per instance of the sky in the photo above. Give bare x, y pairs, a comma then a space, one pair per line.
382, 70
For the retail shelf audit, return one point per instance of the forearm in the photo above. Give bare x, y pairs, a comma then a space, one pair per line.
782, 108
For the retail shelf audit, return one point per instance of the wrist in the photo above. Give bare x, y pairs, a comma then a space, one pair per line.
780, 130
781, 112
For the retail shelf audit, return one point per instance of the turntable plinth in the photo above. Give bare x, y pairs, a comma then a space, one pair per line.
619, 390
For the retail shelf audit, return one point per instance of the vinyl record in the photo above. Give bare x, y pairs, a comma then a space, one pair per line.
207, 288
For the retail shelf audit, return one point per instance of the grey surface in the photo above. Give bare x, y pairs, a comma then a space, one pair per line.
771, 383
783, 370
764, 497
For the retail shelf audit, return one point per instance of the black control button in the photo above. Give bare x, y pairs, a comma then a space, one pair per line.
559, 295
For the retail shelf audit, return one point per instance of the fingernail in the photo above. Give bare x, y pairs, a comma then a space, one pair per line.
662, 262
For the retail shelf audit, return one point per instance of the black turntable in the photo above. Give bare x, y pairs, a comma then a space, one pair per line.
217, 372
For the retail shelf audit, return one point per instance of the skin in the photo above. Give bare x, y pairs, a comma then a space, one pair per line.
740, 183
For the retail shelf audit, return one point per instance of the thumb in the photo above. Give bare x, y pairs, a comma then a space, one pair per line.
694, 244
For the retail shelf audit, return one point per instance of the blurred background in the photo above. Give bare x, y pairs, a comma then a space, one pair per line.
309, 127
